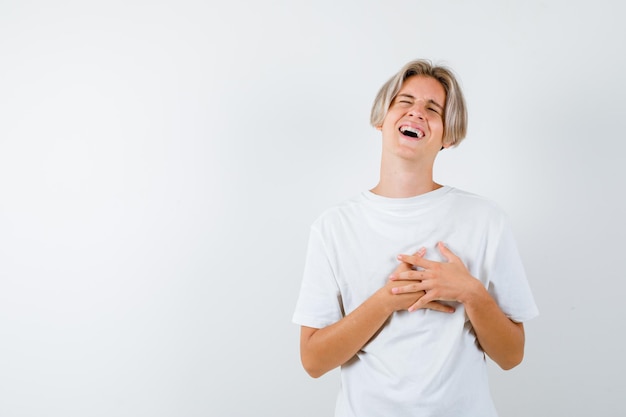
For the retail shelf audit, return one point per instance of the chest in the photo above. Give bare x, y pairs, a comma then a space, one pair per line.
364, 253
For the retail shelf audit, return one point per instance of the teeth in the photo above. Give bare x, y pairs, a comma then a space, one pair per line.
409, 131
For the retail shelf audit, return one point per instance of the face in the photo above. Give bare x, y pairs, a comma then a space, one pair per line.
413, 126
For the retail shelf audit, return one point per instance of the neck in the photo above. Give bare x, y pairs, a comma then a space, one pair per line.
402, 179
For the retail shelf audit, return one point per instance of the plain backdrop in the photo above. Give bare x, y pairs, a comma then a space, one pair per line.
161, 163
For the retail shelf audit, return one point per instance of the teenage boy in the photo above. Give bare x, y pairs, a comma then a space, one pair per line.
407, 286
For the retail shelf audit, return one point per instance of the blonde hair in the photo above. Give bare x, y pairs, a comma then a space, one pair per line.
455, 112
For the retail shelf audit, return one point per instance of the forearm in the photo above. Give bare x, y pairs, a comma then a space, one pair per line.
325, 349
500, 338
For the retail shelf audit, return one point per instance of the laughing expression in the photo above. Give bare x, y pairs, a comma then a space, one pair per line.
414, 122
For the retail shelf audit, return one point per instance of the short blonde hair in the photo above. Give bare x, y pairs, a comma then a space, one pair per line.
455, 112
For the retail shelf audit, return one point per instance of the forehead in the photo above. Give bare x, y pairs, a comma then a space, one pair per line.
424, 87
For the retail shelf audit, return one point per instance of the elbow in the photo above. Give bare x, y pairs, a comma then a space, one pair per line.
313, 356
514, 354
314, 373
508, 366
511, 362
314, 370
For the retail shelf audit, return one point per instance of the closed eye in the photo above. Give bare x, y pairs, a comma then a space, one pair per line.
436, 107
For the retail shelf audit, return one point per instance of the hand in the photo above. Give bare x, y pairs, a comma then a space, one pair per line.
409, 300
442, 281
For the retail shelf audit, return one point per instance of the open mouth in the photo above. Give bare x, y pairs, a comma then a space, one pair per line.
411, 132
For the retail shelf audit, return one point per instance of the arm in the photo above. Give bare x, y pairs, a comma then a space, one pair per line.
501, 338
322, 350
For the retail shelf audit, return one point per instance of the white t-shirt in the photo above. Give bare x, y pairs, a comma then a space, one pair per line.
424, 363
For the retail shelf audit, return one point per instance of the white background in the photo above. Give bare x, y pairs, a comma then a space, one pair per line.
161, 162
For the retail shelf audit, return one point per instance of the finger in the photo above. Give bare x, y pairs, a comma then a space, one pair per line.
446, 252
416, 261
410, 275
410, 288
437, 306
421, 303
433, 305
417, 255
403, 266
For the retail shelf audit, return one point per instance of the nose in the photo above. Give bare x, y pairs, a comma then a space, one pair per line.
417, 114
417, 110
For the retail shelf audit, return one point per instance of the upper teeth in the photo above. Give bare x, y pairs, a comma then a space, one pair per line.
417, 132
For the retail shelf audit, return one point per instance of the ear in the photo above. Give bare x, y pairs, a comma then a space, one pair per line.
379, 127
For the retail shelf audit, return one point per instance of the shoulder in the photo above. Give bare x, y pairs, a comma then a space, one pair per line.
476, 207
474, 201
340, 213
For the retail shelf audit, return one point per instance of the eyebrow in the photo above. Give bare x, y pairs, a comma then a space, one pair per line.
431, 101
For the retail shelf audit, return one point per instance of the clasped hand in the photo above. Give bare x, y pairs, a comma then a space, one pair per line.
437, 281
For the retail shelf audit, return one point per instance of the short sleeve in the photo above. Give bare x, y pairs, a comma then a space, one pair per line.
507, 279
319, 302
